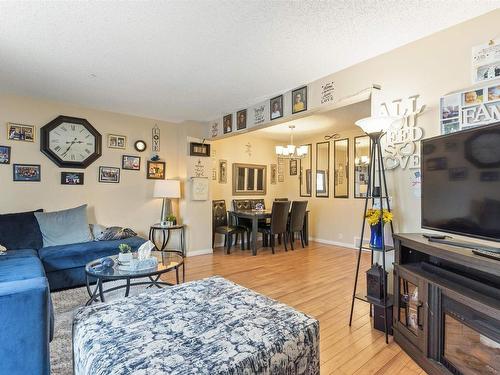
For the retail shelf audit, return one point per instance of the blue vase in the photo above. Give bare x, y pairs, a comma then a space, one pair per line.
376, 235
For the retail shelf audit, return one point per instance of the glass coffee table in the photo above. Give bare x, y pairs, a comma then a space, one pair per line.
167, 261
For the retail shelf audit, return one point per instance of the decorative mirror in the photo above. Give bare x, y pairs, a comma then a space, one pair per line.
361, 164
249, 179
322, 169
306, 173
341, 168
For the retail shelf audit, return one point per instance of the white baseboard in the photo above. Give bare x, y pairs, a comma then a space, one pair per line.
194, 253
336, 243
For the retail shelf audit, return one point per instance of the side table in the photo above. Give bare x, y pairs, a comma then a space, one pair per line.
165, 237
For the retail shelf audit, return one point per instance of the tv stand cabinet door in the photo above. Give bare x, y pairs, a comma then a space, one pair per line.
410, 307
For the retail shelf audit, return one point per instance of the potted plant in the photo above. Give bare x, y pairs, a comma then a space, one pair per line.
125, 255
171, 220
377, 225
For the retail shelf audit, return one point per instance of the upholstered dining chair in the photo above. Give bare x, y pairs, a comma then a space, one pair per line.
278, 226
220, 225
296, 222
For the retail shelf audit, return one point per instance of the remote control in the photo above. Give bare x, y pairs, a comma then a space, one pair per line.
434, 236
486, 253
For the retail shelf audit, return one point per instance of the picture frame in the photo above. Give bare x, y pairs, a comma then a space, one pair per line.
109, 175
293, 167
72, 178
274, 173
299, 100
117, 141
341, 168
21, 132
241, 119
222, 171
155, 170
276, 107
227, 123
5, 152
199, 149
131, 162
26, 172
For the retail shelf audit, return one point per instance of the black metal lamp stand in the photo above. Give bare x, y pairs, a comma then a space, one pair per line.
381, 194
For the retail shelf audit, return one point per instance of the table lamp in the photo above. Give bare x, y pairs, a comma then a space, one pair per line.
166, 189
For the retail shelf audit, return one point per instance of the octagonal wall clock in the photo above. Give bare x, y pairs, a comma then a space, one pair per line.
71, 142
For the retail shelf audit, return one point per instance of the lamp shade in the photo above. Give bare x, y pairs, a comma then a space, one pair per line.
167, 189
372, 125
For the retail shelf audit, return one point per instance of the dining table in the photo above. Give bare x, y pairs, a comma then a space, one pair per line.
255, 215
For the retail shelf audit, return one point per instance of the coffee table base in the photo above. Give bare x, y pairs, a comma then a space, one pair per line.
98, 292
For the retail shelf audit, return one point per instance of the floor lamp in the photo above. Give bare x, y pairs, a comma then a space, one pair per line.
375, 128
167, 190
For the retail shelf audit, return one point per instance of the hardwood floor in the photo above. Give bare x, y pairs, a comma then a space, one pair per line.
318, 281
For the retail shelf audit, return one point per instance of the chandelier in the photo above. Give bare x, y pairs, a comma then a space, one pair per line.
291, 151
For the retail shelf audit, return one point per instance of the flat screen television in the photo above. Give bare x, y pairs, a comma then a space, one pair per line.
461, 182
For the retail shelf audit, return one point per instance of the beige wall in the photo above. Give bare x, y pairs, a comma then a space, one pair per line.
430, 68
234, 151
128, 203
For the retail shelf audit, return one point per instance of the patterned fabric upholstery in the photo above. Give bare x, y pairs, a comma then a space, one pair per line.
219, 213
209, 326
254, 202
242, 204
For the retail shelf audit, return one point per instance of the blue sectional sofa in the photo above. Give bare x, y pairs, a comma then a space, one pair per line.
28, 273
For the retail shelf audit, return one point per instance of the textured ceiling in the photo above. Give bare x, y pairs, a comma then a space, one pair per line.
195, 60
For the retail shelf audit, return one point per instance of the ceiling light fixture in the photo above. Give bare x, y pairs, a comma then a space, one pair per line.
290, 151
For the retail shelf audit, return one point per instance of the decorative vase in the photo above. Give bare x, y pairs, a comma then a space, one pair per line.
376, 235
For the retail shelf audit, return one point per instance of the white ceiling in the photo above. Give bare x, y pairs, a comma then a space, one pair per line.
325, 123
195, 60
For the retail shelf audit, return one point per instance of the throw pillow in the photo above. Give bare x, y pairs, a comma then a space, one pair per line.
97, 231
64, 227
116, 233
20, 231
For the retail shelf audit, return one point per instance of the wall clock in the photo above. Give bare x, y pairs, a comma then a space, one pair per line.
482, 149
71, 142
140, 146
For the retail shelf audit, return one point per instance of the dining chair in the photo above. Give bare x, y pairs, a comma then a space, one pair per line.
278, 226
296, 222
220, 225
244, 204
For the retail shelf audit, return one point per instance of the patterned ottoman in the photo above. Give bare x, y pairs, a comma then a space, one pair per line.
210, 326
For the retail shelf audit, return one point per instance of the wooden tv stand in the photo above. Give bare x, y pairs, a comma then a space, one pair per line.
446, 306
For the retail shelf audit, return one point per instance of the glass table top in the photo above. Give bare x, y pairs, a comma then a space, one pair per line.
167, 260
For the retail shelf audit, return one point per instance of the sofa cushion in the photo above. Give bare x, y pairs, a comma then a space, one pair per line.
20, 231
55, 258
64, 227
12, 269
22, 253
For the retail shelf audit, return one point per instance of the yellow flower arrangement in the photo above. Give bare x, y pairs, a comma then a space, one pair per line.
373, 216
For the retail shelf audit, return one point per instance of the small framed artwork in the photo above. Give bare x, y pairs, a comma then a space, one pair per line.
199, 149
228, 123
109, 174
131, 163
222, 171
276, 105
27, 172
117, 141
274, 173
4, 155
299, 100
20, 132
241, 119
293, 167
156, 170
214, 174
71, 178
